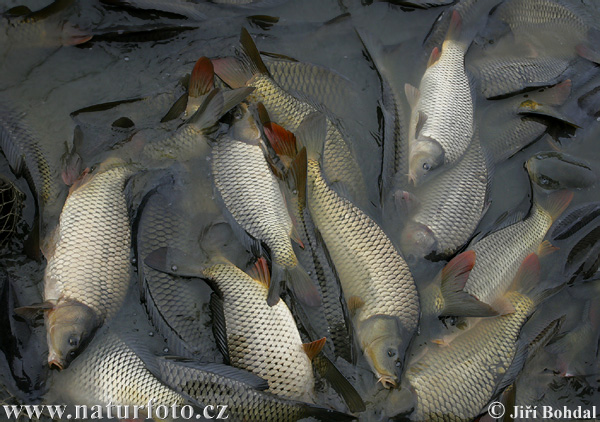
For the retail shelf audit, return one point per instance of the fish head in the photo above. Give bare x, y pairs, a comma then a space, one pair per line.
243, 125
384, 342
71, 326
417, 241
426, 155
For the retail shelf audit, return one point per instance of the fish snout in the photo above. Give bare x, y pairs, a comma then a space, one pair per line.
56, 364
387, 381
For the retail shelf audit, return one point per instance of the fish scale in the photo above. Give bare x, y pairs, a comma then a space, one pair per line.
446, 99
90, 263
110, 372
241, 171
499, 255
368, 264
452, 204
172, 304
289, 112
472, 365
262, 339
497, 76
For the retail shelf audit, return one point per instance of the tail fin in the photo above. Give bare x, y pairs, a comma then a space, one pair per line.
202, 79
311, 133
303, 287
255, 62
215, 105
237, 72
556, 203
457, 302
455, 27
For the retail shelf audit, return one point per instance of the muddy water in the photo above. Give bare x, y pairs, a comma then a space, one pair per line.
133, 56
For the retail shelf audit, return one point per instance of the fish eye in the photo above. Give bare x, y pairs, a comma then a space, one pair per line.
73, 341
426, 166
398, 364
391, 353
72, 353
237, 113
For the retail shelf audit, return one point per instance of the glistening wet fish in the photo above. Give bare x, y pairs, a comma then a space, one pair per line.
375, 279
497, 258
88, 271
450, 207
253, 202
117, 369
484, 360
289, 110
441, 122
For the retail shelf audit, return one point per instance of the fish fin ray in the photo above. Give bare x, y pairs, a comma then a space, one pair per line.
202, 79
311, 134
177, 109
546, 248
260, 272
303, 287
234, 72
252, 53
313, 348
219, 326
340, 384
556, 203
433, 58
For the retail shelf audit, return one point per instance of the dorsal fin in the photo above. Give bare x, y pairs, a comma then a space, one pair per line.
252, 52
260, 272
312, 349
263, 114
283, 141
528, 274
421, 120
202, 79
433, 58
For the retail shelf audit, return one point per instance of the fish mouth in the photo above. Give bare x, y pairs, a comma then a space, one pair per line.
56, 364
387, 381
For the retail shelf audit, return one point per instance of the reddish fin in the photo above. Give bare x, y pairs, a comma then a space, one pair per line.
455, 27
202, 79
312, 349
457, 302
546, 248
282, 141
263, 114
295, 236
528, 275
456, 272
435, 55
260, 272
